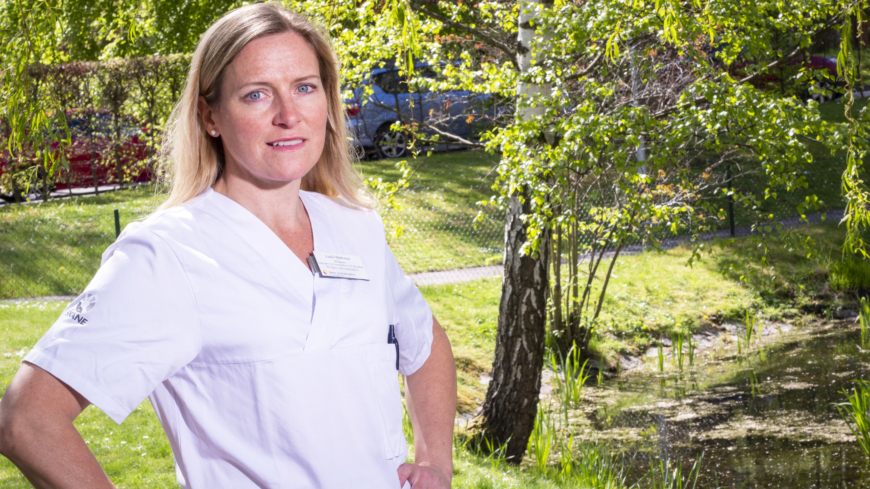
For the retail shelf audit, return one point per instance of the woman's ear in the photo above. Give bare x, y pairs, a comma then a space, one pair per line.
207, 115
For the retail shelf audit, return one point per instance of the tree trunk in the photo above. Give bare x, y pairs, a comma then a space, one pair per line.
511, 404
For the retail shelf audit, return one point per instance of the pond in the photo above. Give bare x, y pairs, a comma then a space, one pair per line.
761, 419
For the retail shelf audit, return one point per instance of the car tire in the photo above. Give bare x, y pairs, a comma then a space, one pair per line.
391, 144
825, 86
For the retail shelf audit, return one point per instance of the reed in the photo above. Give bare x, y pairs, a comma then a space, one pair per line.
662, 477
864, 318
678, 345
750, 328
856, 413
753, 385
569, 386
596, 467
543, 438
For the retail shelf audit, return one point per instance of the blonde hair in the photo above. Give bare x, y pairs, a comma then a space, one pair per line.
196, 160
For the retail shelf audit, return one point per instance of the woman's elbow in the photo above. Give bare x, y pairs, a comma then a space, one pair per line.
13, 429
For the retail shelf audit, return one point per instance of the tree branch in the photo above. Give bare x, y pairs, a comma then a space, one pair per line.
417, 6
588, 69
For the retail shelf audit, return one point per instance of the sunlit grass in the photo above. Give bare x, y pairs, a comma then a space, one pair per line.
54, 248
135, 454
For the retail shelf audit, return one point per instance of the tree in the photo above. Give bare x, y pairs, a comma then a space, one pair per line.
627, 137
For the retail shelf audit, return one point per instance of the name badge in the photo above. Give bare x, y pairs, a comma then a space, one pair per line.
334, 265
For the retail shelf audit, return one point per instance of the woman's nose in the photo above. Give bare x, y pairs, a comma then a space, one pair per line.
286, 113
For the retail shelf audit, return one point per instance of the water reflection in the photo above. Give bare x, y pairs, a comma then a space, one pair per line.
764, 420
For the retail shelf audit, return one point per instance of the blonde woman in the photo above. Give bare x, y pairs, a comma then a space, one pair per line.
260, 308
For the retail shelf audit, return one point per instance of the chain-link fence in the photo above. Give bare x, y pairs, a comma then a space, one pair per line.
55, 248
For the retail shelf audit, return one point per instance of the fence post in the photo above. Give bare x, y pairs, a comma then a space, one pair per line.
730, 201
117, 223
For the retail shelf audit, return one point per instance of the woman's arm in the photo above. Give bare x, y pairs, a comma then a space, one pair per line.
37, 433
430, 393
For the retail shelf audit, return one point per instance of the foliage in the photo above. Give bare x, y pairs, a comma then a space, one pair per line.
864, 319
662, 477
856, 413
569, 384
104, 107
850, 274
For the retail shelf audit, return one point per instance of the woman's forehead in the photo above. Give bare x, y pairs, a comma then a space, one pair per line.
276, 58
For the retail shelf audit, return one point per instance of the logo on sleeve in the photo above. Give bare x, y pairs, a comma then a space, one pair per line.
84, 304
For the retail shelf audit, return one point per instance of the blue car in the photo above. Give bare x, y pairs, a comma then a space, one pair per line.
369, 121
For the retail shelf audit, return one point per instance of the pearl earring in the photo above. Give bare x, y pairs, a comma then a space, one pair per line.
213, 133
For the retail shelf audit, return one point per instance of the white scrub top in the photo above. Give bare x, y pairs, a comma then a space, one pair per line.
262, 373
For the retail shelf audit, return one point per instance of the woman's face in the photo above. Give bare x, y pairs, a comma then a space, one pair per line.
272, 113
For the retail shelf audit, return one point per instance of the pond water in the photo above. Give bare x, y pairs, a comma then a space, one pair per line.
762, 419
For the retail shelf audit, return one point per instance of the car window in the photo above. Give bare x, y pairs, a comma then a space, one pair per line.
390, 82
423, 73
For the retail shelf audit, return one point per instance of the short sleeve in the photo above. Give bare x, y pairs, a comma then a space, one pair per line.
135, 325
412, 317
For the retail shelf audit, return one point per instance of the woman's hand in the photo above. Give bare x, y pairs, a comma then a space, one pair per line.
423, 475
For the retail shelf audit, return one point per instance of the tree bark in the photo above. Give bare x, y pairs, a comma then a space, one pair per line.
511, 404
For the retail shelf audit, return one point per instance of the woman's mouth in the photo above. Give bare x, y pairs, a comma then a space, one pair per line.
282, 144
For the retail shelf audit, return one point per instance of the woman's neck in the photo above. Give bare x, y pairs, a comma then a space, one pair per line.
278, 206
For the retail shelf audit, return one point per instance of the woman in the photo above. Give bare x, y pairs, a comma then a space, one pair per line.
260, 308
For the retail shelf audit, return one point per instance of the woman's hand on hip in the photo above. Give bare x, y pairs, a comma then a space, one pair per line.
423, 475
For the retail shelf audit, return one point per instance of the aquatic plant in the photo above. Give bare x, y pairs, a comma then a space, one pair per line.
750, 328
753, 384
569, 386
678, 346
864, 318
596, 466
856, 413
661, 476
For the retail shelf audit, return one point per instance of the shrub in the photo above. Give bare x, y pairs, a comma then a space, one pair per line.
849, 274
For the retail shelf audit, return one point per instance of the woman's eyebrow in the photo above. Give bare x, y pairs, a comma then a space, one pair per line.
295, 80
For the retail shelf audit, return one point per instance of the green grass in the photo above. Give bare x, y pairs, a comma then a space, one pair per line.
54, 248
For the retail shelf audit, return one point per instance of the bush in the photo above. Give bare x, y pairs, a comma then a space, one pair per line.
850, 274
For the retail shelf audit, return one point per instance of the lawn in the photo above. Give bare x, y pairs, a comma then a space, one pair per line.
54, 248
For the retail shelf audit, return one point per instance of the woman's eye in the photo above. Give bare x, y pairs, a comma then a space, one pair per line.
255, 95
306, 88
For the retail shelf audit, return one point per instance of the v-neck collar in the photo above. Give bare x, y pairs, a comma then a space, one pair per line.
287, 266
